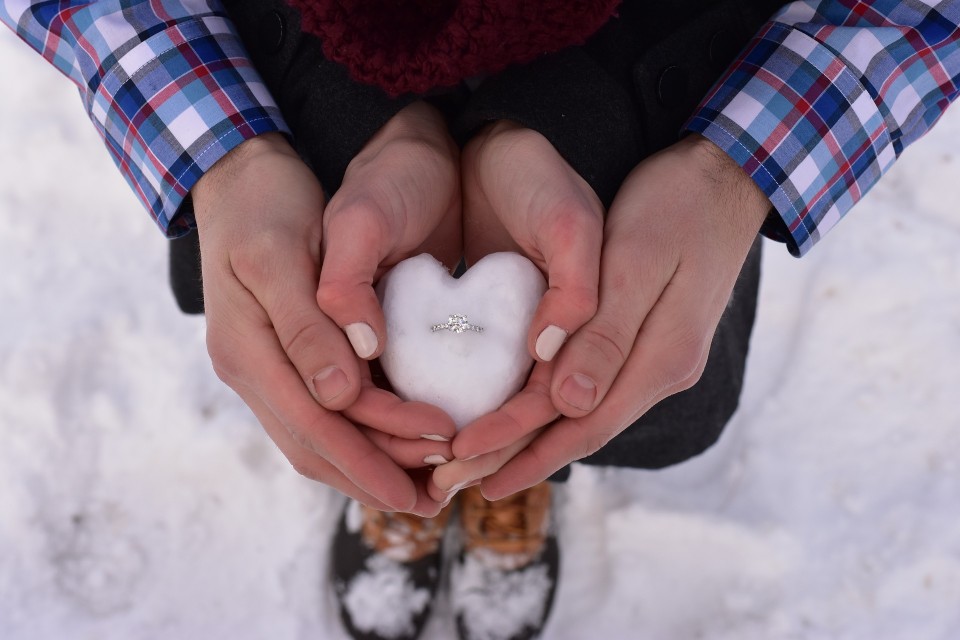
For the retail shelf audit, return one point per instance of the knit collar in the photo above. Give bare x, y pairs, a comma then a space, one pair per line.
413, 46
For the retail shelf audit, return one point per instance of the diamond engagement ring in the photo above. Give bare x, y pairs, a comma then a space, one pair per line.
458, 324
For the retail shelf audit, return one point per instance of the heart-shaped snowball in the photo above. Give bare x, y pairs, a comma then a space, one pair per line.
460, 344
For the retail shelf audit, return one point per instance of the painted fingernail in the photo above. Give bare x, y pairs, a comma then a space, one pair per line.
435, 460
362, 339
579, 391
330, 383
435, 437
549, 342
455, 488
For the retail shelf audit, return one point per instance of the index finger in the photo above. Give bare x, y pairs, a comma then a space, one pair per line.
333, 437
524, 413
570, 243
646, 378
385, 411
328, 434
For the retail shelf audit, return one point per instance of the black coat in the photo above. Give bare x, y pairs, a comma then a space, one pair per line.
605, 106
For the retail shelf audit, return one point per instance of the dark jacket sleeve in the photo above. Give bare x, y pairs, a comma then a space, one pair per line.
331, 116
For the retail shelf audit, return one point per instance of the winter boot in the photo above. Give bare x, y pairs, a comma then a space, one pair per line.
386, 568
503, 585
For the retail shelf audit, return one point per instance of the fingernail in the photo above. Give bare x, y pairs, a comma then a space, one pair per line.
435, 437
579, 391
455, 488
330, 383
362, 339
435, 460
549, 342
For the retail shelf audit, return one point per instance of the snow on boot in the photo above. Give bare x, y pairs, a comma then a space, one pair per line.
503, 585
386, 568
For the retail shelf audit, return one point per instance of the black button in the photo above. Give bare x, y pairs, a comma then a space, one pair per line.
272, 32
723, 48
672, 86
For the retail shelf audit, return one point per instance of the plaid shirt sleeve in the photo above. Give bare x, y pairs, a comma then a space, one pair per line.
166, 83
827, 95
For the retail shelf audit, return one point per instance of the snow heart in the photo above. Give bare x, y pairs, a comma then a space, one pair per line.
460, 344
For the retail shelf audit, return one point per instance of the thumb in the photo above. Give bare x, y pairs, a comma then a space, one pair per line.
355, 242
570, 242
522, 192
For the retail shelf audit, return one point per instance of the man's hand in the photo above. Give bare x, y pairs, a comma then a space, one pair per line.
674, 243
259, 214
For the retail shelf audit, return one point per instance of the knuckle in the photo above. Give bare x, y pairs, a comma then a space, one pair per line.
684, 363
593, 443
353, 210
251, 261
300, 439
366, 214
505, 141
300, 339
583, 301
331, 294
694, 376
303, 467
223, 374
223, 357
573, 223
611, 341
421, 151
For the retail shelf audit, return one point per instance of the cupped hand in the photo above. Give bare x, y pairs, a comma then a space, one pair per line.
520, 195
259, 215
675, 240
400, 196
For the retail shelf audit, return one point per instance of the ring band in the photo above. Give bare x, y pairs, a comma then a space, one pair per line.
458, 324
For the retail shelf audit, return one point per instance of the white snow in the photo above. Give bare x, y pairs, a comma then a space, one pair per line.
499, 294
516, 603
382, 599
139, 498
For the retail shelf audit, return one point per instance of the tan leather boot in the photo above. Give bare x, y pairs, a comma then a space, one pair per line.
386, 570
503, 585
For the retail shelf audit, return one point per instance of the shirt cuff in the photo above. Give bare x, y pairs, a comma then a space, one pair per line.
802, 125
173, 105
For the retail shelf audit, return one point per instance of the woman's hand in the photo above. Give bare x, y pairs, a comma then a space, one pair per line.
400, 196
520, 195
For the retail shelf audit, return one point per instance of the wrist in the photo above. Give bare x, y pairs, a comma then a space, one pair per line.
733, 184
235, 163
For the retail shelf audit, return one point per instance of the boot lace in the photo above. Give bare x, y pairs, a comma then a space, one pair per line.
509, 532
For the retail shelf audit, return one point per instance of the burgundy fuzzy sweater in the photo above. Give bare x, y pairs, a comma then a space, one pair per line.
416, 45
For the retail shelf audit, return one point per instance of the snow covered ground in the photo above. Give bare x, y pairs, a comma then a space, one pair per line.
140, 500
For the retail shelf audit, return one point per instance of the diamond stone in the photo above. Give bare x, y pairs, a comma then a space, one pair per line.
458, 323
